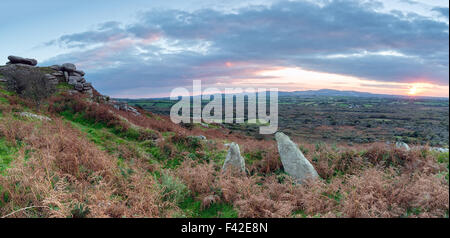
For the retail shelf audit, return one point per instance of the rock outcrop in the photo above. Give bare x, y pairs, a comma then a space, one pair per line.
68, 72
19, 60
234, 161
34, 116
28, 81
21, 76
294, 162
123, 106
69, 67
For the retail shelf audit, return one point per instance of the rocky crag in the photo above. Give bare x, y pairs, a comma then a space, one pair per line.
23, 76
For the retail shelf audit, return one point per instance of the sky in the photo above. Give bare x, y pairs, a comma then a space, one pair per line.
139, 49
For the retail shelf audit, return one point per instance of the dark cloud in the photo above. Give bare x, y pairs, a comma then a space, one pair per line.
170, 48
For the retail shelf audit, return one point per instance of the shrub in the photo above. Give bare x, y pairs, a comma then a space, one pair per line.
172, 188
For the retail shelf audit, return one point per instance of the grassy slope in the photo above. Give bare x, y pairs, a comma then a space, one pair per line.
109, 140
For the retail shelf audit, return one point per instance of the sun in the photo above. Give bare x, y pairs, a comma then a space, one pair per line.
413, 90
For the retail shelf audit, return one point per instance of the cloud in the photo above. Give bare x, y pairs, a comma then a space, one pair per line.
442, 10
169, 48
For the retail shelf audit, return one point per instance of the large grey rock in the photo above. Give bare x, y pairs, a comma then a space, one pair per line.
58, 74
294, 162
56, 67
27, 81
234, 161
49, 76
74, 79
75, 74
68, 67
80, 72
402, 145
66, 76
19, 60
52, 79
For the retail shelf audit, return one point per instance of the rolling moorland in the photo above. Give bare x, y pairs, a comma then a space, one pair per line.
346, 118
68, 151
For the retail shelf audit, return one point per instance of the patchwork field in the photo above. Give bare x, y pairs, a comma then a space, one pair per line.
349, 119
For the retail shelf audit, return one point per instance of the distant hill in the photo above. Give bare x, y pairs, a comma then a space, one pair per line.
332, 93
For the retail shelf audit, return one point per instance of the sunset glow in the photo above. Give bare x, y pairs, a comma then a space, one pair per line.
298, 79
413, 90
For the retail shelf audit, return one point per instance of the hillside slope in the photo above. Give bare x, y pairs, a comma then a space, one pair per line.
76, 153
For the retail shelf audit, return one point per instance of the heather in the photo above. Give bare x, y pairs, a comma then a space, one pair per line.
93, 160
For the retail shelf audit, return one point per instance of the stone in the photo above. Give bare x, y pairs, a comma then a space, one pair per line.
75, 74
74, 79
27, 81
52, 79
66, 76
58, 74
80, 72
294, 162
2, 80
133, 110
21, 65
87, 86
201, 137
439, 149
34, 116
78, 87
19, 60
68, 67
56, 67
49, 76
402, 145
234, 161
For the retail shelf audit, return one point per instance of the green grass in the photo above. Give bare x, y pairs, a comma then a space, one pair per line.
7, 154
5, 92
113, 141
443, 158
64, 86
164, 105
46, 70
299, 213
3, 100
